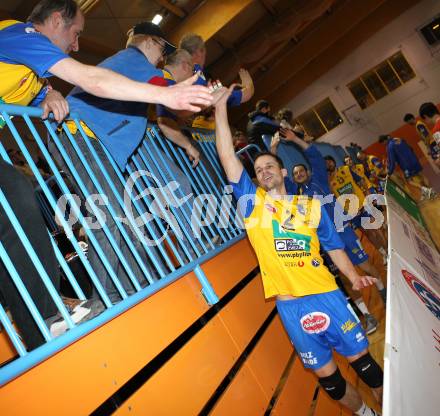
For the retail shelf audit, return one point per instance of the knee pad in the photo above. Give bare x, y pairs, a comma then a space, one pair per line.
335, 385
368, 370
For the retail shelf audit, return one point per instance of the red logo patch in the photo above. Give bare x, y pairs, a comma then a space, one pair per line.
270, 208
315, 322
300, 263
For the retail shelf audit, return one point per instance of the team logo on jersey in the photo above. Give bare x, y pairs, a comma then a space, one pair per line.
315, 322
270, 208
315, 262
348, 326
424, 293
286, 240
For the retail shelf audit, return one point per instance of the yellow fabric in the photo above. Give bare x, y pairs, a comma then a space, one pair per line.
284, 236
19, 85
73, 128
200, 122
360, 171
342, 182
428, 139
376, 171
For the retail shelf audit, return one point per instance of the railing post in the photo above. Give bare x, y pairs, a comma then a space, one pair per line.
207, 290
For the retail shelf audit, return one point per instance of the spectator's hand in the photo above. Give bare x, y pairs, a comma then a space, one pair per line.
288, 135
361, 282
275, 140
222, 95
218, 91
56, 104
193, 155
245, 78
185, 96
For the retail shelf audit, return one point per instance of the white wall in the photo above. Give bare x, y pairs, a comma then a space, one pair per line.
386, 114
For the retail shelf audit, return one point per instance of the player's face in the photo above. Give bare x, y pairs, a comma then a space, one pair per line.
330, 165
300, 174
268, 172
66, 37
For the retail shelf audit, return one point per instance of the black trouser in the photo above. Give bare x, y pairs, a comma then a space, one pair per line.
20, 195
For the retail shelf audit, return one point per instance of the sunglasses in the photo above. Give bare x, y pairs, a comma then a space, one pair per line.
162, 46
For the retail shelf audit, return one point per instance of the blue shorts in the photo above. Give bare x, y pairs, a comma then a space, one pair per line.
353, 246
318, 323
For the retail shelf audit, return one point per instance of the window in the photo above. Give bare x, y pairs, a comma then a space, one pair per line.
320, 119
381, 80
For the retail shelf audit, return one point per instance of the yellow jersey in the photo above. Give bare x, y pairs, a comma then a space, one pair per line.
286, 234
342, 183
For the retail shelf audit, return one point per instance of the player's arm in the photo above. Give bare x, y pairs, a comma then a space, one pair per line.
225, 147
172, 131
343, 263
108, 84
391, 159
331, 242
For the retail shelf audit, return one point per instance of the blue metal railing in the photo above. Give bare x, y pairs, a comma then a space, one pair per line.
193, 221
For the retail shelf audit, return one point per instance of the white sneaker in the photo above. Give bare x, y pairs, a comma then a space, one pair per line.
83, 312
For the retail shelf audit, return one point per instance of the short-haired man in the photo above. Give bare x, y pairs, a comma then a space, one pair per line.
374, 166
431, 115
121, 126
261, 123
286, 233
425, 135
399, 152
342, 182
315, 184
196, 47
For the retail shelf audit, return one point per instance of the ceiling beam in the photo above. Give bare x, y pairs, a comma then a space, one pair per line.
4, 14
86, 5
179, 12
331, 29
267, 36
268, 7
282, 93
209, 18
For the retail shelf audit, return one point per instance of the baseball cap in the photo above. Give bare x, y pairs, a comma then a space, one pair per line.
149, 28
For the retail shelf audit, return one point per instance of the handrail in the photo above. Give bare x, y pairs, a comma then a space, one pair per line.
128, 221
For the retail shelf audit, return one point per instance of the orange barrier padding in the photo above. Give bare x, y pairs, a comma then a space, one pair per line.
7, 350
270, 357
81, 377
245, 314
243, 397
187, 381
228, 268
297, 394
252, 388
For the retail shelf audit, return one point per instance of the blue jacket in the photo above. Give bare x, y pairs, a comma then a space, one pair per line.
402, 154
318, 183
119, 125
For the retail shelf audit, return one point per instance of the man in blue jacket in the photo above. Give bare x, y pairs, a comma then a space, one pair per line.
399, 152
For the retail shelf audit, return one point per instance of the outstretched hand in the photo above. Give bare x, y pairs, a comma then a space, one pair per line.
55, 103
362, 282
186, 96
222, 94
